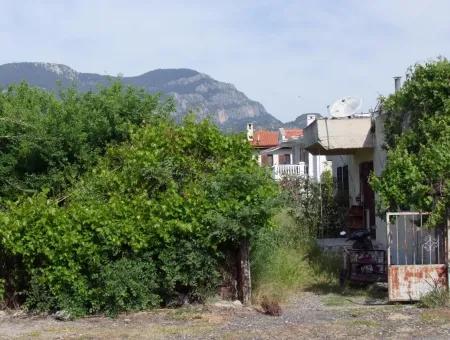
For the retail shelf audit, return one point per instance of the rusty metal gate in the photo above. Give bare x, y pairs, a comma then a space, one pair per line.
416, 256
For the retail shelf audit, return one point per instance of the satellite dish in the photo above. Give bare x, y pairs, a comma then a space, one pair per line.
344, 107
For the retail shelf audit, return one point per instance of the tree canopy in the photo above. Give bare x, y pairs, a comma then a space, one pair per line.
48, 141
417, 173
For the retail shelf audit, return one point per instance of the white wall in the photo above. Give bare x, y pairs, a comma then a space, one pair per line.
338, 161
316, 166
352, 161
363, 155
378, 155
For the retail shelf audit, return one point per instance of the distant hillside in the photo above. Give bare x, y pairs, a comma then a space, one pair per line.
229, 108
300, 121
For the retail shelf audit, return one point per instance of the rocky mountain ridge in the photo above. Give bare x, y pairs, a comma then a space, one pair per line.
228, 107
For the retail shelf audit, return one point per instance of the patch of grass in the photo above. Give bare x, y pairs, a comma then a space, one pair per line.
438, 297
280, 264
286, 272
185, 314
436, 316
34, 334
359, 312
335, 300
364, 323
284, 263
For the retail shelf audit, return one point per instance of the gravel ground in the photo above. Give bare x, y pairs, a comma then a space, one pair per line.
307, 315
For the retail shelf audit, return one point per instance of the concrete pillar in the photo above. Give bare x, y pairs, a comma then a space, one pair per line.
310, 165
275, 159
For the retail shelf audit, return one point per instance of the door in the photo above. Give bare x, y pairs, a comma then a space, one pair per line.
367, 194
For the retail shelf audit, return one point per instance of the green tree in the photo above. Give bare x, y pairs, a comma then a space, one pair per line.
175, 196
417, 173
48, 141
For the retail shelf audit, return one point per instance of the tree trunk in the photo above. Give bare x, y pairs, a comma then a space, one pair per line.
447, 234
244, 282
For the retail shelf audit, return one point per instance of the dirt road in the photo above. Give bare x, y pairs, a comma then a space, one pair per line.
306, 316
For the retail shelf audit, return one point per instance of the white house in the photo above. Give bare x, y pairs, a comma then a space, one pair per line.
284, 151
354, 145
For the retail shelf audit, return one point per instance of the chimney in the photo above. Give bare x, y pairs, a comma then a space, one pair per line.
249, 131
310, 119
398, 83
282, 135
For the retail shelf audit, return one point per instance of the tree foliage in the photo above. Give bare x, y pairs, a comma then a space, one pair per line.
47, 142
314, 206
417, 174
169, 198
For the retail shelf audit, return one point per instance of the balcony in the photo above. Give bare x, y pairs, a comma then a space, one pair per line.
289, 170
338, 136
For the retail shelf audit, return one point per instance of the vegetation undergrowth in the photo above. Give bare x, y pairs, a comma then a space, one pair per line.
283, 264
286, 258
437, 297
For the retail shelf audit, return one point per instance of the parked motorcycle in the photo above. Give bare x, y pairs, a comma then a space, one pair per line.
361, 262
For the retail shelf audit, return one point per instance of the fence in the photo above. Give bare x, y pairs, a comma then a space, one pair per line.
417, 256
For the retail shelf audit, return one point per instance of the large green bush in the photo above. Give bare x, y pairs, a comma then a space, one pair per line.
417, 173
48, 141
174, 198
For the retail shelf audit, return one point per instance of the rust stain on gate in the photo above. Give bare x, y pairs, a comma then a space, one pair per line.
418, 257
411, 282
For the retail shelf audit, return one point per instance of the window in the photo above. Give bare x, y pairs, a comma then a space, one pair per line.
339, 181
267, 160
342, 185
345, 178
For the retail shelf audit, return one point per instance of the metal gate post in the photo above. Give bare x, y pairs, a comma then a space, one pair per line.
388, 238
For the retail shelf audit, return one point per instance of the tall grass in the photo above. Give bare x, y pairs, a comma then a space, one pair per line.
285, 260
437, 297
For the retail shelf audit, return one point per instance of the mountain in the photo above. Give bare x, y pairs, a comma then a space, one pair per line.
229, 108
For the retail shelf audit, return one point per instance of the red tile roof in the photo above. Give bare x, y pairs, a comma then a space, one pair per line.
293, 133
265, 139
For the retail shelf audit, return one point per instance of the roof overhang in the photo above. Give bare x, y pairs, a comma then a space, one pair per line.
339, 136
283, 145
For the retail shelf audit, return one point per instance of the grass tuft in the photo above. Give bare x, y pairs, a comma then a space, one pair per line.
284, 262
438, 297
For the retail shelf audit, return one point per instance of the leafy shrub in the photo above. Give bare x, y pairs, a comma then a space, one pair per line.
174, 196
126, 285
48, 141
39, 298
314, 206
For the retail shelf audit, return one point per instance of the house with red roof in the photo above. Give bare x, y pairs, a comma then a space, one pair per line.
284, 151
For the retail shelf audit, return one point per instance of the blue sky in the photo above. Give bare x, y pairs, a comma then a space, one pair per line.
292, 56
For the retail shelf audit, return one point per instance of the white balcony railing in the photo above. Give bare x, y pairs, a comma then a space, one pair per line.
289, 170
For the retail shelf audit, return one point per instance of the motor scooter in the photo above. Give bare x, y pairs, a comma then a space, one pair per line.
361, 262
